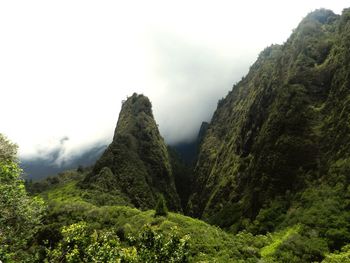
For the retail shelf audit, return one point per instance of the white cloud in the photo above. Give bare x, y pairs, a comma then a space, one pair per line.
65, 66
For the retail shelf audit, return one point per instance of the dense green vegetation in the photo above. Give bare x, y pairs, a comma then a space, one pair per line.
20, 214
83, 244
69, 207
275, 154
306, 234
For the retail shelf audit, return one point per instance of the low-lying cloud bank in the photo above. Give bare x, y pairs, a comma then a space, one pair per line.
51, 161
63, 80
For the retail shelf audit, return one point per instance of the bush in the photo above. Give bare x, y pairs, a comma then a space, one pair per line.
338, 257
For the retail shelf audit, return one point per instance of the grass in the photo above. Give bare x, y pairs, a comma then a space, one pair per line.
277, 239
66, 192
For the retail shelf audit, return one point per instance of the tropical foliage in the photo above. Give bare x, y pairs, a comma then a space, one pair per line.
19, 214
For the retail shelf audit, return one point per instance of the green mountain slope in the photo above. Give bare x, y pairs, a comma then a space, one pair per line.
136, 163
282, 129
70, 204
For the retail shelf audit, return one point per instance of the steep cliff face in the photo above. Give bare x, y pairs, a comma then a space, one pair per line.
281, 127
136, 163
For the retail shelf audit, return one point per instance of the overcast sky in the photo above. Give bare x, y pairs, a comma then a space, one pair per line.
65, 66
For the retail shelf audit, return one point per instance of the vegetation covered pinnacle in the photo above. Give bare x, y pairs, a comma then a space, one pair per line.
137, 159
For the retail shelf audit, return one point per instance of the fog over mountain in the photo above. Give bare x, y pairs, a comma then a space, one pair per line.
68, 65
36, 167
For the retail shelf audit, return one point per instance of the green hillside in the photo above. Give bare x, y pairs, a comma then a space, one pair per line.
282, 128
70, 204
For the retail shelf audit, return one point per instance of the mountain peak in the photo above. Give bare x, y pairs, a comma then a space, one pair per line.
138, 103
138, 157
136, 113
322, 15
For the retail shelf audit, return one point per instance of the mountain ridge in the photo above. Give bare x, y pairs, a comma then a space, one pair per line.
267, 135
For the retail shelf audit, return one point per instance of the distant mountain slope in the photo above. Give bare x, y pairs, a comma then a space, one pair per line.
187, 151
284, 126
137, 161
182, 173
183, 157
39, 168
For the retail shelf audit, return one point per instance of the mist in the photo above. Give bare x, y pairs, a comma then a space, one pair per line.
66, 66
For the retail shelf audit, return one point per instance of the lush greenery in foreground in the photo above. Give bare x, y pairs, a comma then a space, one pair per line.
68, 206
19, 214
81, 243
310, 231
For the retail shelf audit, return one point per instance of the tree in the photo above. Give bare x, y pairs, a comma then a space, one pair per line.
80, 169
19, 214
338, 257
8, 150
81, 243
156, 246
161, 208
